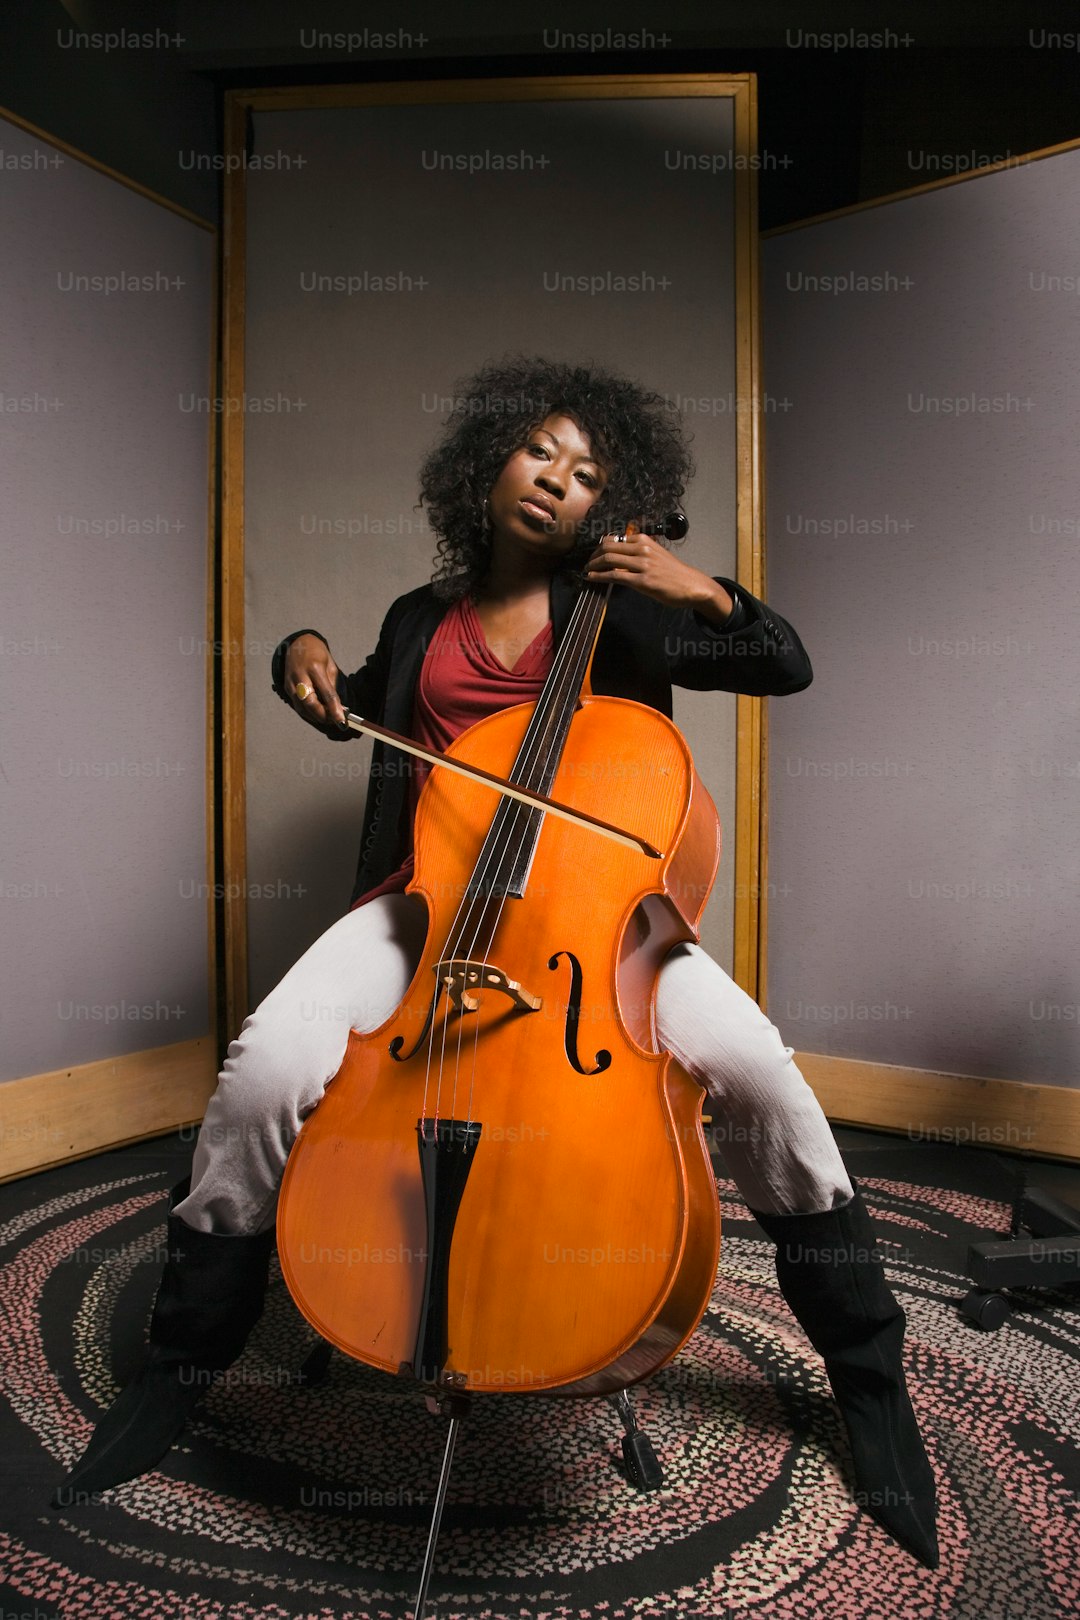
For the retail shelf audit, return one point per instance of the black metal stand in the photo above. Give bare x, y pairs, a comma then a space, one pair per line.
314, 1368
455, 1407
639, 1459
1048, 1258
642, 1467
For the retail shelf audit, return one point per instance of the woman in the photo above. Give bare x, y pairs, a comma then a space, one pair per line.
544, 460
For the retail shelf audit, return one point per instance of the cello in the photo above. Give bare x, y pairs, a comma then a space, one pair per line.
506, 1187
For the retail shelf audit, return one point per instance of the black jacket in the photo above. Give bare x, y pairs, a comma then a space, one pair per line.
644, 648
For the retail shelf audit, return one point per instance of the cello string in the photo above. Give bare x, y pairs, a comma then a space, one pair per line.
505, 839
503, 827
536, 767
498, 852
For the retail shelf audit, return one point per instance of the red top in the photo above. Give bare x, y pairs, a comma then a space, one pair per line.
462, 681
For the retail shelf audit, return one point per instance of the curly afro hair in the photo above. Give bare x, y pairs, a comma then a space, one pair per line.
633, 433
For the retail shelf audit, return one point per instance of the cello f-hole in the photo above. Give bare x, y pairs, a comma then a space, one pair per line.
573, 1016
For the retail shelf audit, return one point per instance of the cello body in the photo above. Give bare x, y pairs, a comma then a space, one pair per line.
506, 1187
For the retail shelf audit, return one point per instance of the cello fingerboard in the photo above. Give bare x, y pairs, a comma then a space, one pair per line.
505, 860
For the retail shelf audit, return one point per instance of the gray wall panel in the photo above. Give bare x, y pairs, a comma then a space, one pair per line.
105, 883
923, 527
370, 369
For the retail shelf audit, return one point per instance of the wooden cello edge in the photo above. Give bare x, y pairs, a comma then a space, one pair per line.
695, 1273
674, 917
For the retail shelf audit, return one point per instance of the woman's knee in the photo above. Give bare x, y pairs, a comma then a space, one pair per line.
715, 1029
278, 1068
293, 1044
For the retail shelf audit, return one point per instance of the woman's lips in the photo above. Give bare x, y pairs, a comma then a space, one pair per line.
533, 509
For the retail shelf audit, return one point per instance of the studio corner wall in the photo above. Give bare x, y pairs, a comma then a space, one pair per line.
360, 385
106, 877
920, 364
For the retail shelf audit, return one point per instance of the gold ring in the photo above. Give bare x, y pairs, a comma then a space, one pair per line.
304, 691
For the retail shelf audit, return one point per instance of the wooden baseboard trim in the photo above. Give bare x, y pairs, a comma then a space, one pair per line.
72, 1113
1009, 1116
50, 1119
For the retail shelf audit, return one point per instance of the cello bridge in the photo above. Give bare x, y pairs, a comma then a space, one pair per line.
465, 979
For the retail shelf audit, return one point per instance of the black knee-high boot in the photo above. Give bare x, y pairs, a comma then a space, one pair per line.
832, 1278
210, 1297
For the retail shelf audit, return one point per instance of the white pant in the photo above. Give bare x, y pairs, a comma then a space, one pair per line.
767, 1122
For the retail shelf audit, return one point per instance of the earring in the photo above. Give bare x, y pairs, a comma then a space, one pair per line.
486, 525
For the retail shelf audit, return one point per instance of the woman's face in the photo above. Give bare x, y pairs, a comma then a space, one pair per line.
545, 490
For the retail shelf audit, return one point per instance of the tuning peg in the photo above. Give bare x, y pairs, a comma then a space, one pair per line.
674, 526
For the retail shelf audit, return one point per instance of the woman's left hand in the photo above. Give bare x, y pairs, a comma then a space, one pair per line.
648, 566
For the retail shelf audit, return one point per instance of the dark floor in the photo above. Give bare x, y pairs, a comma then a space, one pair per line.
1059, 1177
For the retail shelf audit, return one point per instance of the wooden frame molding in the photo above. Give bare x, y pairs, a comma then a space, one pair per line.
1015, 162
73, 1113
231, 716
741, 89
960, 1109
751, 782
103, 168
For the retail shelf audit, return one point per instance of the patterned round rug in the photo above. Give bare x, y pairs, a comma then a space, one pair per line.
284, 1501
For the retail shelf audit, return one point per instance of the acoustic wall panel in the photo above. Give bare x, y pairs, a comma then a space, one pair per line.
105, 897
923, 537
390, 250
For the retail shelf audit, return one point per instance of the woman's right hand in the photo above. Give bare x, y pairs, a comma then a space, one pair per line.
310, 682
